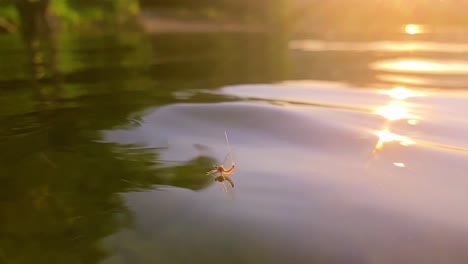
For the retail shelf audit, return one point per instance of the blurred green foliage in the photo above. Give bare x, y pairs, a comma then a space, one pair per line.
77, 13
8, 12
84, 11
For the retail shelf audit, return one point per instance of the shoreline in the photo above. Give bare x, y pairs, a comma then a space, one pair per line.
153, 22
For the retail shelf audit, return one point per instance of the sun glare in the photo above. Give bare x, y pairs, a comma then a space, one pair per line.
385, 136
413, 122
399, 93
399, 164
413, 29
395, 111
415, 65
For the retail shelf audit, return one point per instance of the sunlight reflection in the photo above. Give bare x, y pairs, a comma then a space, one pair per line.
399, 164
421, 66
399, 93
378, 46
385, 136
416, 65
413, 122
403, 79
395, 111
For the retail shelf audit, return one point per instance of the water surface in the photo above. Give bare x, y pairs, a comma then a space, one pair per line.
345, 152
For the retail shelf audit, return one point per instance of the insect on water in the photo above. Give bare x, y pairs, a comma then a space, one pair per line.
222, 171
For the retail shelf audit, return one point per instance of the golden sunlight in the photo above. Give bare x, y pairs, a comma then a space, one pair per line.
399, 164
413, 122
421, 66
413, 29
416, 65
399, 93
385, 136
395, 111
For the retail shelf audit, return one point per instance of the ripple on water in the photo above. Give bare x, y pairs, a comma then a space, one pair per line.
314, 179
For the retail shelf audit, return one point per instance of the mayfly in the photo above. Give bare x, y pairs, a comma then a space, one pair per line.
223, 172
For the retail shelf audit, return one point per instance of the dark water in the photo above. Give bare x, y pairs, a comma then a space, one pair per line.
345, 152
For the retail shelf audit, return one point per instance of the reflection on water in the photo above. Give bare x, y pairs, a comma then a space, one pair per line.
83, 181
423, 66
61, 185
413, 122
459, 81
400, 93
380, 46
385, 136
395, 111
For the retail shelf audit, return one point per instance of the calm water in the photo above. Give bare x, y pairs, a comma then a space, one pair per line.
346, 152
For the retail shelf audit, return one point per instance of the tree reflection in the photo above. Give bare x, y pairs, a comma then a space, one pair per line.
56, 206
60, 185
